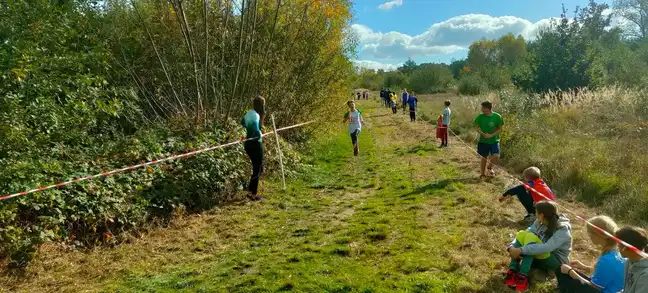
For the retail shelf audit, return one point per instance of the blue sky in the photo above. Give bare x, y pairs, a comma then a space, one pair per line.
390, 31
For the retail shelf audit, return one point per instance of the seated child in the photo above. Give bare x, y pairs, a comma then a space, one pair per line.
636, 267
607, 275
546, 244
528, 194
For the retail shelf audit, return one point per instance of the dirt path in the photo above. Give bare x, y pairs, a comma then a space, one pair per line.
404, 216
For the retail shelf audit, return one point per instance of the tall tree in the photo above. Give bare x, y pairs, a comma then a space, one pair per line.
408, 67
635, 11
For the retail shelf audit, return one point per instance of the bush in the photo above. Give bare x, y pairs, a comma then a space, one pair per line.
471, 85
431, 79
88, 88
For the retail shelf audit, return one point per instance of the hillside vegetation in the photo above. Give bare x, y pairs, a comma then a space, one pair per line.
91, 86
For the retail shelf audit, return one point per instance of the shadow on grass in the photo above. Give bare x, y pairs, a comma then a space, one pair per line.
381, 115
494, 284
501, 223
442, 184
386, 125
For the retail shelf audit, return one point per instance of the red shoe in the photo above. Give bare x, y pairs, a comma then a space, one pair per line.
510, 279
522, 283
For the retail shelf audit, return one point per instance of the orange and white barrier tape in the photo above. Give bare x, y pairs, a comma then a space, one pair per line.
149, 163
636, 250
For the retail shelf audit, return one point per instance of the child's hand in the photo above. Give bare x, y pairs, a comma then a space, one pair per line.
515, 252
577, 264
565, 269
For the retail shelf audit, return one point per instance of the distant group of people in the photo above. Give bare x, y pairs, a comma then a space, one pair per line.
361, 95
390, 99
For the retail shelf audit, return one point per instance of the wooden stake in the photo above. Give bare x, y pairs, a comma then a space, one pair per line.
276, 135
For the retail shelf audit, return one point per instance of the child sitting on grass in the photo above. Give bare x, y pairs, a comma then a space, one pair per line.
636, 267
546, 245
607, 276
534, 191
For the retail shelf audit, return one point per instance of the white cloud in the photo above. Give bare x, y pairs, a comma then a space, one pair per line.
375, 65
442, 38
390, 4
395, 45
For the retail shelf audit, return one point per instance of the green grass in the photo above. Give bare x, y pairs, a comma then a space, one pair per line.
404, 216
592, 149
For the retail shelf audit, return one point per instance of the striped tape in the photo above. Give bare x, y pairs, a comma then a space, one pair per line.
629, 246
149, 163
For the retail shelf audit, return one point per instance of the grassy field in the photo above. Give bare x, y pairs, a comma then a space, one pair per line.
591, 146
404, 216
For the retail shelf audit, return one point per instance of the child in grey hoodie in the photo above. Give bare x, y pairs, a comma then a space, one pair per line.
636, 268
554, 238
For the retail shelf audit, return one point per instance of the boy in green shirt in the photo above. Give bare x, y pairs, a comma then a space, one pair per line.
489, 125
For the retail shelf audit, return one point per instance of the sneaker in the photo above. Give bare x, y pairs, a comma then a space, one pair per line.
254, 197
529, 219
522, 283
510, 279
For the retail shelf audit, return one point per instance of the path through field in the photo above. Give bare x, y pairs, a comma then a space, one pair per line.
404, 216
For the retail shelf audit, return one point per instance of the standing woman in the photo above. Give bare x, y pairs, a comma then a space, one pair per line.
253, 121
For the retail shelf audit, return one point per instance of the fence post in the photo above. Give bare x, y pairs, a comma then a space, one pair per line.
276, 134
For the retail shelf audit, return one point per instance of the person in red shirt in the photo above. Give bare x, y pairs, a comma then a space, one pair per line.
531, 192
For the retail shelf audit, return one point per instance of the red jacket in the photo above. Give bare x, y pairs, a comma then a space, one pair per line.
539, 186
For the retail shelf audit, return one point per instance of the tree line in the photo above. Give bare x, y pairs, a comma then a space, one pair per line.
583, 50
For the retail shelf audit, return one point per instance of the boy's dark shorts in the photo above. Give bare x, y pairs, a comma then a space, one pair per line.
354, 136
485, 150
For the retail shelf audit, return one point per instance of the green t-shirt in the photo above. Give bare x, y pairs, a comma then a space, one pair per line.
488, 124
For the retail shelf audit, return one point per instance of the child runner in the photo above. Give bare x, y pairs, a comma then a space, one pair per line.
636, 267
445, 123
354, 120
413, 102
528, 197
489, 125
394, 103
608, 274
404, 99
252, 121
546, 244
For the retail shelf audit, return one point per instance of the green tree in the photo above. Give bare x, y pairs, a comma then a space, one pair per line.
430, 78
456, 66
408, 67
635, 11
512, 51
395, 80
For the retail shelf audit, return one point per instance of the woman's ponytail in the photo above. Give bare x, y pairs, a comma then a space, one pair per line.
550, 212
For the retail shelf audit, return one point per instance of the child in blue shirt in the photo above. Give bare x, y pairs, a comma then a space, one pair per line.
607, 275
412, 101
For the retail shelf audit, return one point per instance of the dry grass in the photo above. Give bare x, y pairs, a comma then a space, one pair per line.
591, 146
405, 216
